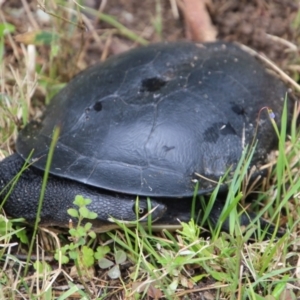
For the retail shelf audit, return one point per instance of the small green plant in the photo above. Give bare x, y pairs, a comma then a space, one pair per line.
120, 257
8, 229
82, 237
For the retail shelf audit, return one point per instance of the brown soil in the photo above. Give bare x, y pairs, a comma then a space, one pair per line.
266, 26
255, 23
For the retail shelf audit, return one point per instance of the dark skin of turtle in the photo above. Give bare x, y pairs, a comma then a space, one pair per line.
145, 123
59, 190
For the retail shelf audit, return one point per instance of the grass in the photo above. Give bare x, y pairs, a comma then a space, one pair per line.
136, 263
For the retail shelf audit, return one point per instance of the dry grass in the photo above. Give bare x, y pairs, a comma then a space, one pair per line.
40, 53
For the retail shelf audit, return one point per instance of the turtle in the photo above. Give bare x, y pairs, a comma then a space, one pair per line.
150, 124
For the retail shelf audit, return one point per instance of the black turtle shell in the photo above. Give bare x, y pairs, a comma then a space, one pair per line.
144, 122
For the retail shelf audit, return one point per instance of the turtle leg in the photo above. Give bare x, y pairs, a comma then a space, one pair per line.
59, 197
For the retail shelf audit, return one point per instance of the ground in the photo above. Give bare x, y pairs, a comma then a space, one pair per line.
32, 74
